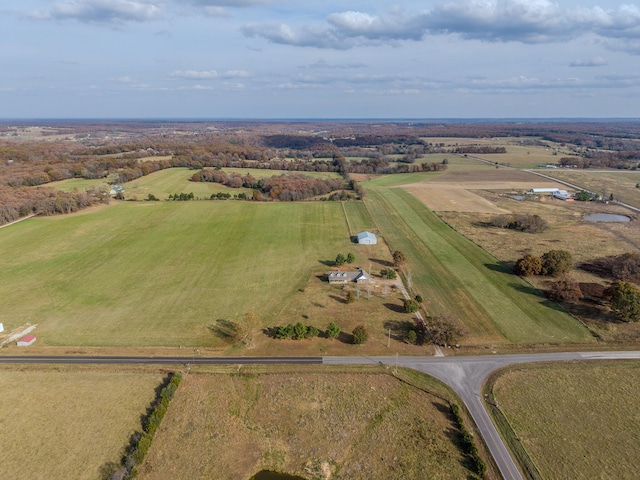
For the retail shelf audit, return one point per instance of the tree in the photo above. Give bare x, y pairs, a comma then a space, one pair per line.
411, 306
418, 298
389, 273
565, 290
399, 258
583, 196
412, 337
340, 259
625, 300
360, 335
299, 331
351, 297
556, 262
333, 330
312, 332
350, 257
445, 329
528, 265
248, 328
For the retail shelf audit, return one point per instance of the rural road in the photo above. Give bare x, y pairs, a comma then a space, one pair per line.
465, 375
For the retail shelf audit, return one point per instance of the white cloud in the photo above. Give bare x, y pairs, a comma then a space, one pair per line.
209, 74
524, 21
102, 11
593, 62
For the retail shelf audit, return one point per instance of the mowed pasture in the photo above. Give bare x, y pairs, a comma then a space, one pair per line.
161, 273
320, 425
457, 277
69, 422
574, 421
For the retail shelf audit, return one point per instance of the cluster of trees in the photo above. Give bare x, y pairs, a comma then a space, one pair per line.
624, 267
181, 197
524, 222
279, 187
140, 443
299, 331
16, 203
388, 273
480, 149
625, 300
342, 259
553, 263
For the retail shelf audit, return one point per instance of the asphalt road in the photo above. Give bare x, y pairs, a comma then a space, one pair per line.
465, 375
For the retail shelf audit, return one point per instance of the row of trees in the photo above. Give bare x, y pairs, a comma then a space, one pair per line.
553, 263
524, 222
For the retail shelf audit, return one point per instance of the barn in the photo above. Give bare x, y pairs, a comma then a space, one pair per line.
367, 238
26, 341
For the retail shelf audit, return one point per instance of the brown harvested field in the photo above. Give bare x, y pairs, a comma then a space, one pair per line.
318, 425
575, 421
453, 190
69, 422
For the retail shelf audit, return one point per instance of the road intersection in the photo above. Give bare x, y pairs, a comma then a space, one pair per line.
464, 374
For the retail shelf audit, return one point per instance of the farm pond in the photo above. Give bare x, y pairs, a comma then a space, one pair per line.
606, 217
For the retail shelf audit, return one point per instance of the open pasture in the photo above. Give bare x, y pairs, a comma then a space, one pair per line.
69, 422
574, 421
328, 425
78, 184
456, 276
160, 273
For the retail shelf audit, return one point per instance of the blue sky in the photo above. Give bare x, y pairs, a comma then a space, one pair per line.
300, 59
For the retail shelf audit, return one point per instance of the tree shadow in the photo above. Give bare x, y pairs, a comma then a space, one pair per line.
399, 328
502, 267
394, 307
270, 331
529, 289
338, 299
224, 329
382, 263
328, 263
323, 277
345, 337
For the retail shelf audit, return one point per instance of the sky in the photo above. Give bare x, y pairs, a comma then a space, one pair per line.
289, 59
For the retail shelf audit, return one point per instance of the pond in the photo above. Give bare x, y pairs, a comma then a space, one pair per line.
268, 475
606, 217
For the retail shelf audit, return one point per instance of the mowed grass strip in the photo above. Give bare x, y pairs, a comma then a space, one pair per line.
158, 273
356, 426
67, 423
456, 276
575, 421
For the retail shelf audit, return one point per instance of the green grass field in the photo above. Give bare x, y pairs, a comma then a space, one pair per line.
456, 276
158, 273
574, 421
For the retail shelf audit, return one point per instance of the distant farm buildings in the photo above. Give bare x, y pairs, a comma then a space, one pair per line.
367, 238
26, 341
555, 192
359, 276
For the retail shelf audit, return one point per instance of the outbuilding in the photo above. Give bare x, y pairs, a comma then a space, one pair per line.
533, 191
367, 238
1, 327
26, 341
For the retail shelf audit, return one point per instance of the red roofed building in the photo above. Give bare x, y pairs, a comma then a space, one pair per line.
26, 341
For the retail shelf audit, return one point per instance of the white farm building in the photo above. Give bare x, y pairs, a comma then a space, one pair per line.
367, 238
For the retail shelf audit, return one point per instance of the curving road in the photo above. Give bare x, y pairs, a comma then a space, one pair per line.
465, 375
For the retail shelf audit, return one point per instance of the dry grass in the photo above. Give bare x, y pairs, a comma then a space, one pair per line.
319, 425
575, 421
67, 422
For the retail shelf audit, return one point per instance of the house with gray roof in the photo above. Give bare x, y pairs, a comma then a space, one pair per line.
339, 276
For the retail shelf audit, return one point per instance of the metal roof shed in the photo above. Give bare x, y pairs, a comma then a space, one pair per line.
367, 238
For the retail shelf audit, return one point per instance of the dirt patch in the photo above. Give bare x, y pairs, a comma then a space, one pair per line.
453, 191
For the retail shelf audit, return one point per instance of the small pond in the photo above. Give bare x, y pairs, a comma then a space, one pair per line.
268, 475
606, 217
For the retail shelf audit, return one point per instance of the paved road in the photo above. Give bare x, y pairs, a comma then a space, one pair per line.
465, 375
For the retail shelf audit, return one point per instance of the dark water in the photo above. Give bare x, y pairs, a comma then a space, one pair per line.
267, 475
606, 217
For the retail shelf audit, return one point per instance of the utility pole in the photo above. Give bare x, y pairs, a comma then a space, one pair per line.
389, 341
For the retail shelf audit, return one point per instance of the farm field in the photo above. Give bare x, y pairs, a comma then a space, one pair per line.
622, 183
160, 273
316, 424
457, 277
574, 420
79, 184
69, 422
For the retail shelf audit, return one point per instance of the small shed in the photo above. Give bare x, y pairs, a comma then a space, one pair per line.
367, 238
26, 341
1, 327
